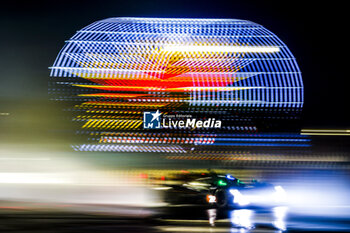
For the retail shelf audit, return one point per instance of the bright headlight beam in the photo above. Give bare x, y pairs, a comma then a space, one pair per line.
280, 194
224, 49
239, 198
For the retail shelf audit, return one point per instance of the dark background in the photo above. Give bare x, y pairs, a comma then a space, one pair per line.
33, 32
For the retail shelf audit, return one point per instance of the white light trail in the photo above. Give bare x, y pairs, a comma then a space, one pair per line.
32, 178
227, 49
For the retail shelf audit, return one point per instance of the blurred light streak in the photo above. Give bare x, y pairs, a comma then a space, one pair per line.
258, 157
192, 229
263, 144
224, 49
32, 178
24, 159
326, 132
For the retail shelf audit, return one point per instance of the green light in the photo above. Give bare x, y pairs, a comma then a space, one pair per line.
222, 183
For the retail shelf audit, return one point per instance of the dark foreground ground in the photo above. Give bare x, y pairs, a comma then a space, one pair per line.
175, 219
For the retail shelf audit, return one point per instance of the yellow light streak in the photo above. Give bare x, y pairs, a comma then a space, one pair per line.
326, 132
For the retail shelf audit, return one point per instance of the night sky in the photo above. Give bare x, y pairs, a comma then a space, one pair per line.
33, 32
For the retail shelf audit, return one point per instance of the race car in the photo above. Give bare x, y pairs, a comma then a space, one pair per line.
224, 191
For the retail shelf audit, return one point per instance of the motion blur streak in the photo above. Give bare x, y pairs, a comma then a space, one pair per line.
326, 132
232, 49
65, 182
32, 178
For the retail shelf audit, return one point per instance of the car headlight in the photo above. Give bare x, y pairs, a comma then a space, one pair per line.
239, 198
280, 194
